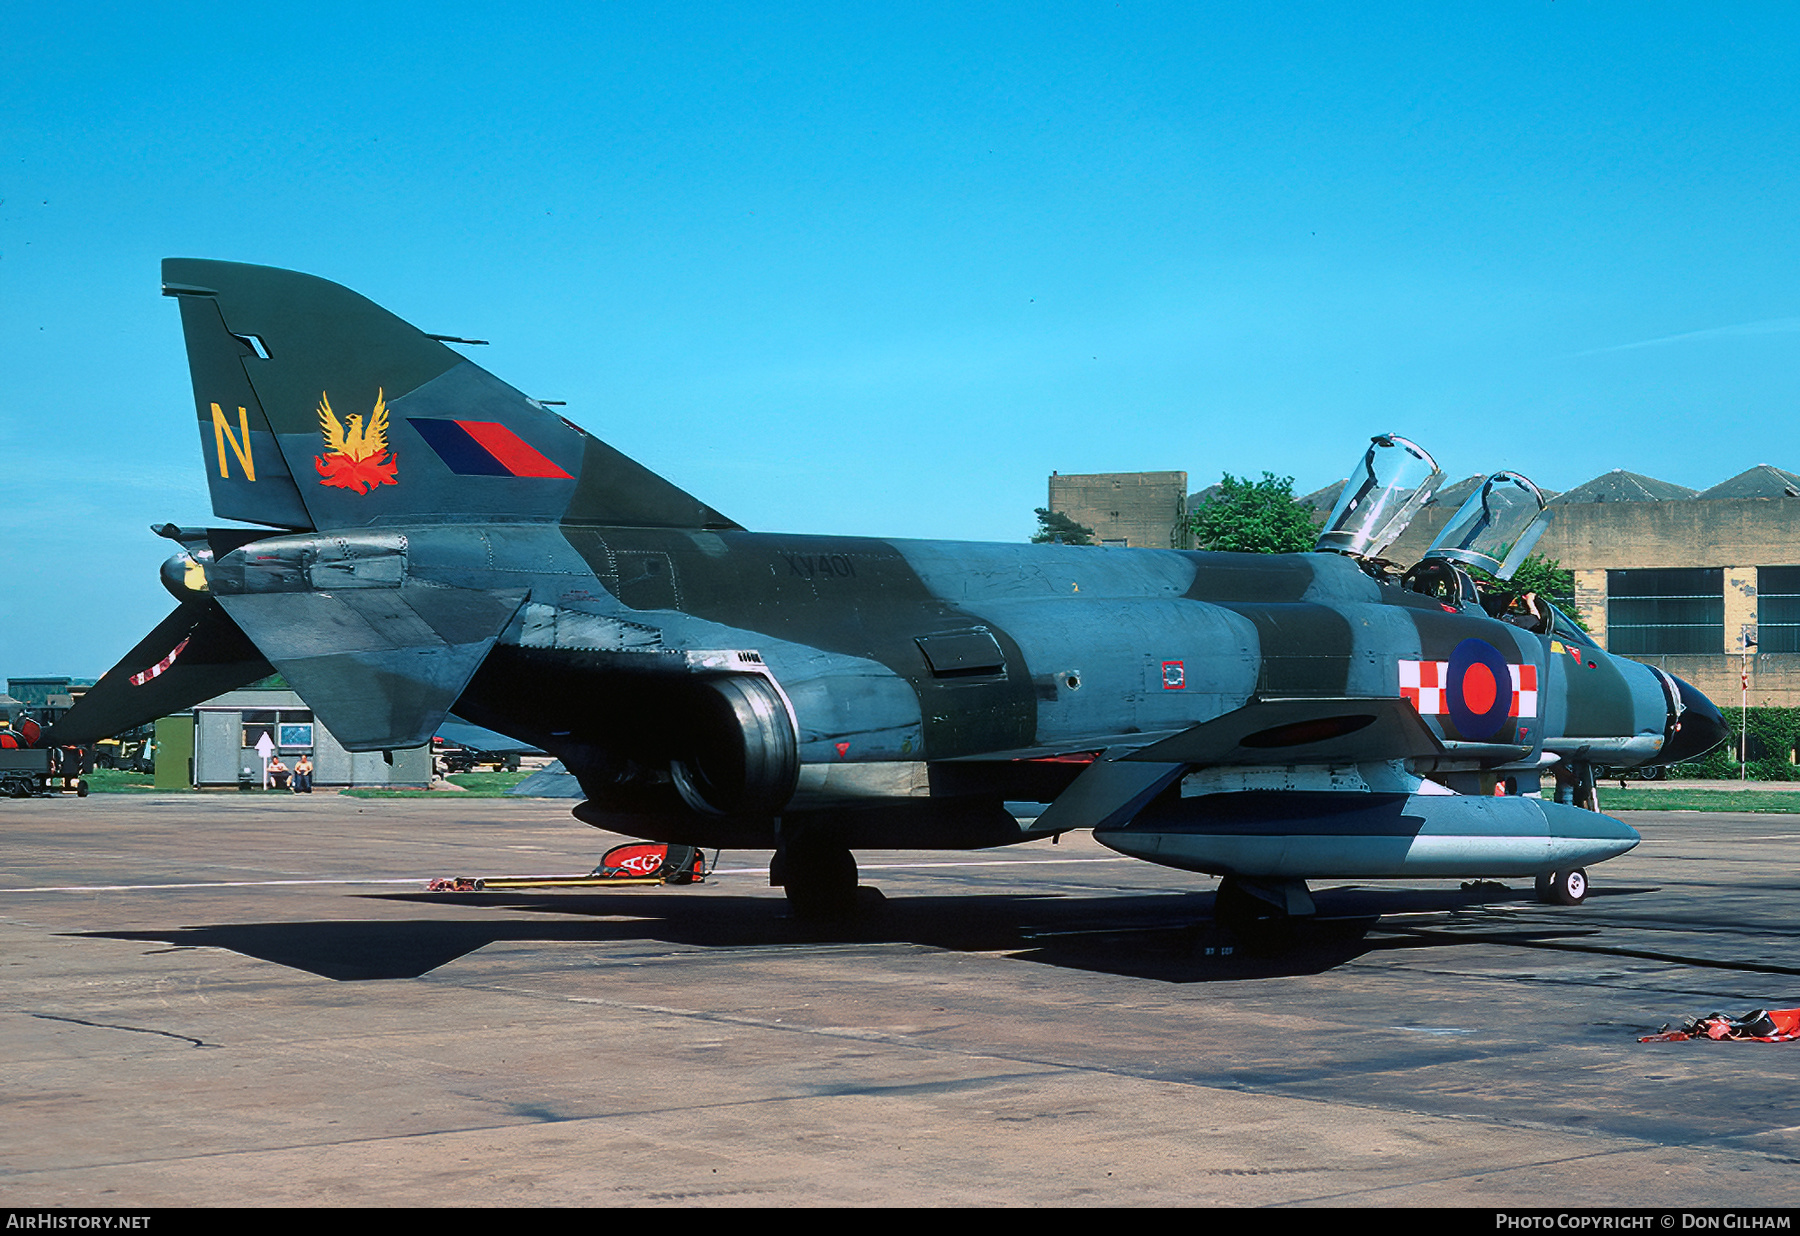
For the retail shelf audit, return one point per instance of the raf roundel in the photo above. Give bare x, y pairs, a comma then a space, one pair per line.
1480, 690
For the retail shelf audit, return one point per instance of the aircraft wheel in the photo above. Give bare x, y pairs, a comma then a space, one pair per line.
820, 880
81, 788
1563, 888
1233, 907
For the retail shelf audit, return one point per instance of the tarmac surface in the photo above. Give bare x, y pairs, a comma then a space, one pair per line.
249, 1000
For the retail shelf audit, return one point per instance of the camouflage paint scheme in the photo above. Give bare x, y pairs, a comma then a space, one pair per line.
438, 539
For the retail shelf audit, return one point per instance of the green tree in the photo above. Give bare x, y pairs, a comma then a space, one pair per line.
1545, 577
1255, 517
1055, 526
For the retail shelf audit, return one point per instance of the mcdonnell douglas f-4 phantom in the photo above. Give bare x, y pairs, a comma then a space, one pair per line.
432, 538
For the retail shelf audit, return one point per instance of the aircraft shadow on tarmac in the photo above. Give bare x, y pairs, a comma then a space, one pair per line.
1161, 937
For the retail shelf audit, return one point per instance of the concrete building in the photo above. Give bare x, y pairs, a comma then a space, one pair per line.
1126, 509
51, 692
1705, 584
44, 699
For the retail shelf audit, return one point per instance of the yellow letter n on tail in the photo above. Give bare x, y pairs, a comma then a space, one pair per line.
222, 434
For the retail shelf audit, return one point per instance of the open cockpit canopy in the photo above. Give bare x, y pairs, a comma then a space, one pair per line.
1396, 478
1496, 528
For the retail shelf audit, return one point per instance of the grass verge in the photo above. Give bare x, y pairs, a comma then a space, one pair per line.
475, 785
1771, 801
117, 780
494, 784
478, 785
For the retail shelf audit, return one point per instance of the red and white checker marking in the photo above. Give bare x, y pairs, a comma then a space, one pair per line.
1424, 685
1525, 689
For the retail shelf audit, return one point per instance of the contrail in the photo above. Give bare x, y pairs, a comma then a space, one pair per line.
1769, 326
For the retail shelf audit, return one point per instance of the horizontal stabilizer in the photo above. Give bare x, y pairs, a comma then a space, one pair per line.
1301, 731
380, 667
195, 653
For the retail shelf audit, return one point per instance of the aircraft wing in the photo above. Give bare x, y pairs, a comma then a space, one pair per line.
1307, 730
1279, 731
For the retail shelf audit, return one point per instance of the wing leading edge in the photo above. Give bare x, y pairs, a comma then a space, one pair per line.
1345, 730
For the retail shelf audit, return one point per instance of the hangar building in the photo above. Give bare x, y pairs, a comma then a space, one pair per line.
1704, 583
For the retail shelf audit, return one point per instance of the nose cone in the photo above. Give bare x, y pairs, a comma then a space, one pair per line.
1698, 730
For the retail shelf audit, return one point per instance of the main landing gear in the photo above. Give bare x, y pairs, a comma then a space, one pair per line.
1563, 888
1245, 904
819, 873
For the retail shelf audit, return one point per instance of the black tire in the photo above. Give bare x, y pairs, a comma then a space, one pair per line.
820, 881
1233, 907
1563, 888
1258, 926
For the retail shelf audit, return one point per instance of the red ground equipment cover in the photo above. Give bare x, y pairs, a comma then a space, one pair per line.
1756, 1026
677, 864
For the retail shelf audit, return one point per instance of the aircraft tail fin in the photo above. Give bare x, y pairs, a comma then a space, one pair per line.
319, 409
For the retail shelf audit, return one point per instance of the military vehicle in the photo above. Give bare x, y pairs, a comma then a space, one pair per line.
432, 538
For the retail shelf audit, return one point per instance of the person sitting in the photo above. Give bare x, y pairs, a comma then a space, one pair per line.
278, 773
303, 774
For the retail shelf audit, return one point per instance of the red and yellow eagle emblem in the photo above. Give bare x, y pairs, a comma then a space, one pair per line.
356, 457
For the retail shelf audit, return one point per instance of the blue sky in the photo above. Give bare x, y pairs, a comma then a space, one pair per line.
871, 272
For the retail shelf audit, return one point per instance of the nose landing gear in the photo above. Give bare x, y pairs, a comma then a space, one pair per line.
1563, 888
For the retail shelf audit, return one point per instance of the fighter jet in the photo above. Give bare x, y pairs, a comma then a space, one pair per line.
430, 538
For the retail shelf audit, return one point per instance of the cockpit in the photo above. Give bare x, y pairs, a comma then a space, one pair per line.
1444, 582
1563, 628
1469, 563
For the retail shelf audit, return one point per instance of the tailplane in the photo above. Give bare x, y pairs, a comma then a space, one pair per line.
195, 653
